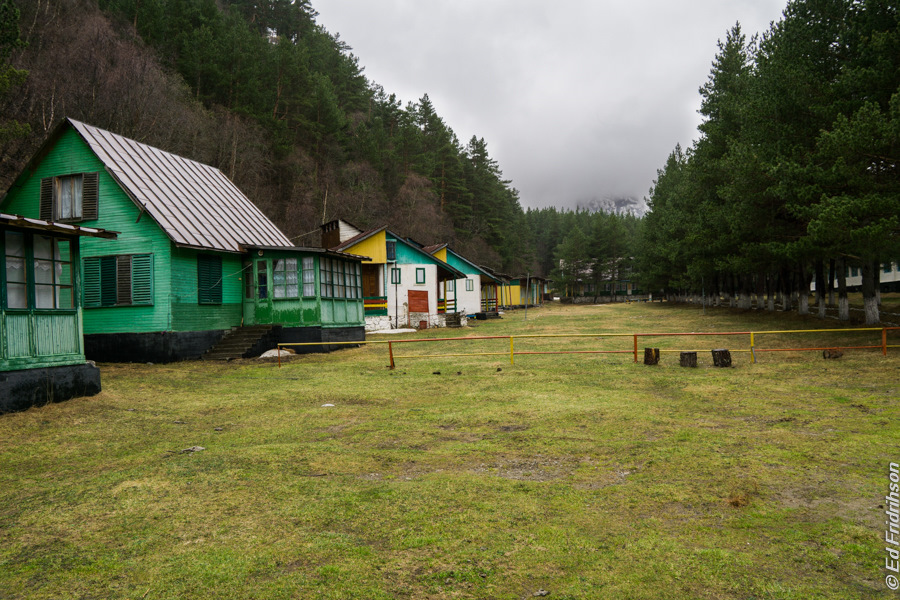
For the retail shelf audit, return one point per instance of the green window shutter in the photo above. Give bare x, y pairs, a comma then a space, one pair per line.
108, 291
142, 279
90, 197
209, 279
91, 282
46, 210
123, 280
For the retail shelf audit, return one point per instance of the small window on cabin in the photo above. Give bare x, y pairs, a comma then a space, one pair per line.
395, 276
247, 275
451, 286
854, 271
285, 282
352, 281
470, 285
325, 276
209, 279
262, 280
123, 280
347, 278
887, 267
52, 273
391, 250
70, 197
309, 277
332, 278
16, 281
420, 275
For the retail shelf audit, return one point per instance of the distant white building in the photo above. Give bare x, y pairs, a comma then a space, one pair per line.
889, 275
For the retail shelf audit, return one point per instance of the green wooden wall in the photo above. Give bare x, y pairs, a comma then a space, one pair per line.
409, 255
187, 312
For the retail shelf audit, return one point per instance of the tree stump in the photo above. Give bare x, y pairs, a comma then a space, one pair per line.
721, 358
651, 356
688, 359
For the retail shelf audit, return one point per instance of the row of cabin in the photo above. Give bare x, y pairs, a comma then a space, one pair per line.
408, 284
118, 251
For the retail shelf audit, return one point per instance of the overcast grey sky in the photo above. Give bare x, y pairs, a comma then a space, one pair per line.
576, 99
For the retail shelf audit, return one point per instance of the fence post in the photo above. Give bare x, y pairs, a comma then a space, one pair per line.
635, 348
752, 346
391, 353
511, 354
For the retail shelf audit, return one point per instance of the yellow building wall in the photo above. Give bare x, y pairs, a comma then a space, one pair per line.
373, 247
511, 295
441, 254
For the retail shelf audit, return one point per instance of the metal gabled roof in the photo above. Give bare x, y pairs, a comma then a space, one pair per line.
196, 205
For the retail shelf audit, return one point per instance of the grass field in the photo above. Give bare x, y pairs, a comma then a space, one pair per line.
585, 476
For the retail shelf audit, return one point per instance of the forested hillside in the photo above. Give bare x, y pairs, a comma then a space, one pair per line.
796, 173
261, 90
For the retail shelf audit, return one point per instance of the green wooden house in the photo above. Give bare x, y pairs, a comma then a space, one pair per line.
41, 341
194, 259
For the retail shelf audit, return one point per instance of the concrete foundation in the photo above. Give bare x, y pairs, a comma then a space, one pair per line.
155, 347
321, 334
25, 388
164, 346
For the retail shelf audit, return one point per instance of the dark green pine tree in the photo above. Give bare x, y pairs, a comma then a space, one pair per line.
10, 77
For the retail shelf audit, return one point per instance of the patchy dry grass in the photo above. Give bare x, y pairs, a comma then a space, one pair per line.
587, 476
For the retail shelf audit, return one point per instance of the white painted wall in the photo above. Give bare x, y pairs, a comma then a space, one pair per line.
397, 299
468, 302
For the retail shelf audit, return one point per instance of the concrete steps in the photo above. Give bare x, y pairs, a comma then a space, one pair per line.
241, 342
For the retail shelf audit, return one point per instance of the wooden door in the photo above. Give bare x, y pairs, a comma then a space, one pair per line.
370, 281
418, 301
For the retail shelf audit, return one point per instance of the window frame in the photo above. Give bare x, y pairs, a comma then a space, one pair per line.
399, 278
470, 285
281, 278
100, 293
29, 272
88, 201
57, 271
420, 271
311, 270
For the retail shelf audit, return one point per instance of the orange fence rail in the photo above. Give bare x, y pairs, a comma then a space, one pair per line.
753, 349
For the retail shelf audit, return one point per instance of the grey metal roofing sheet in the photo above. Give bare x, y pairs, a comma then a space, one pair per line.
195, 204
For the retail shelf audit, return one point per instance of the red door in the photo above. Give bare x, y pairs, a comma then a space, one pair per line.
418, 301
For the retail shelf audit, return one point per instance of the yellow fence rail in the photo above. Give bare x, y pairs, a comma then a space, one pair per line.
753, 349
